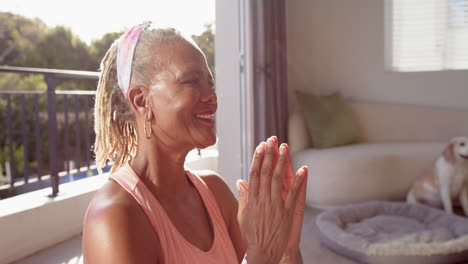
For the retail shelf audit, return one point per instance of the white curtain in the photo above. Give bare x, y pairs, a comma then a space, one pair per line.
427, 35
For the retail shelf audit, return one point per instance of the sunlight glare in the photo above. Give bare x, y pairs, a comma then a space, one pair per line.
90, 19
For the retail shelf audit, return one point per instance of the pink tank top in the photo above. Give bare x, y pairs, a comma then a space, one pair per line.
175, 247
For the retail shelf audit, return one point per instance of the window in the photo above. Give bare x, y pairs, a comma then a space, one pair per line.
426, 35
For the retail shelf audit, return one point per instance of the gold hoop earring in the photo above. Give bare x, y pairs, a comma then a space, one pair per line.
146, 130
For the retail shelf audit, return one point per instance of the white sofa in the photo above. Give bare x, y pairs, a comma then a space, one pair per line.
398, 142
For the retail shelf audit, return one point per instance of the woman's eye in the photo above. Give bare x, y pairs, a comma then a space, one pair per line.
462, 144
192, 81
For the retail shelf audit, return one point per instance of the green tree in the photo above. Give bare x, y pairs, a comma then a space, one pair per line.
59, 48
18, 36
99, 47
206, 43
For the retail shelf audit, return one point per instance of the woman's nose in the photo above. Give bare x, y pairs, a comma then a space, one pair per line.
209, 95
210, 98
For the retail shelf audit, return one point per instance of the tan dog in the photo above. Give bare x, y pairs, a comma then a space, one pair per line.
446, 183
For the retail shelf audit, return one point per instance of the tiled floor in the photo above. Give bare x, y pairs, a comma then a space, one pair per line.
67, 252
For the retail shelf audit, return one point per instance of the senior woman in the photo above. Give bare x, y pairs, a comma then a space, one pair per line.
155, 102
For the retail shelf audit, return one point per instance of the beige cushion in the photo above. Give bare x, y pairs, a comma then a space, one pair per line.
363, 172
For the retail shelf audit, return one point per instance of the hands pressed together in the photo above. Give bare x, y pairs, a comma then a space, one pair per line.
271, 206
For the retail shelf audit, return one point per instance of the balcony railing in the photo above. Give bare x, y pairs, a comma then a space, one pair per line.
48, 133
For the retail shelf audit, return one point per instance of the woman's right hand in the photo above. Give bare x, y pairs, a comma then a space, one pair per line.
265, 218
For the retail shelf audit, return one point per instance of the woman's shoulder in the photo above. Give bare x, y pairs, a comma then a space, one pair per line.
111, 199
115, 218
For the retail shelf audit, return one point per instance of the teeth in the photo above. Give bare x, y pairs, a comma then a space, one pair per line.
205, 116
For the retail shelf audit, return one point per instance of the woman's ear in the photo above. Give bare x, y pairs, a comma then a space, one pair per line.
139, 100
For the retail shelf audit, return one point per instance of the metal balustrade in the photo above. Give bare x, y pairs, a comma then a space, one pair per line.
68, 148
65, 126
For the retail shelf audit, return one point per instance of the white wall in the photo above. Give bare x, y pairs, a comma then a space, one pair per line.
339, 45
32, 222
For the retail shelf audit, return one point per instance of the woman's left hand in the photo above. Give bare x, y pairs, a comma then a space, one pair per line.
295, 236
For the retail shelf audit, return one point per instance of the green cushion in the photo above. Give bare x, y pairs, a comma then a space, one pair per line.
329, 120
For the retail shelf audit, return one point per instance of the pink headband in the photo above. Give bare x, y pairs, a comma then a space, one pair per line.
126, 49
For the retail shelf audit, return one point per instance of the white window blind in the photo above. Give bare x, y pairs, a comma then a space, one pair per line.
427, 35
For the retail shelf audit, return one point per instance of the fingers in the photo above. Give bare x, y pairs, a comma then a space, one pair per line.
254, 174
298, 218
288, 175
278, 175
302, 192
243, 196
267, 168
293, 193
276, 153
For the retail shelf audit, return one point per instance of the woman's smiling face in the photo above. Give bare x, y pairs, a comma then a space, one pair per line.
182, 97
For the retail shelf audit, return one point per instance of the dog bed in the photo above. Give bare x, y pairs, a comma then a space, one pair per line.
394, 232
